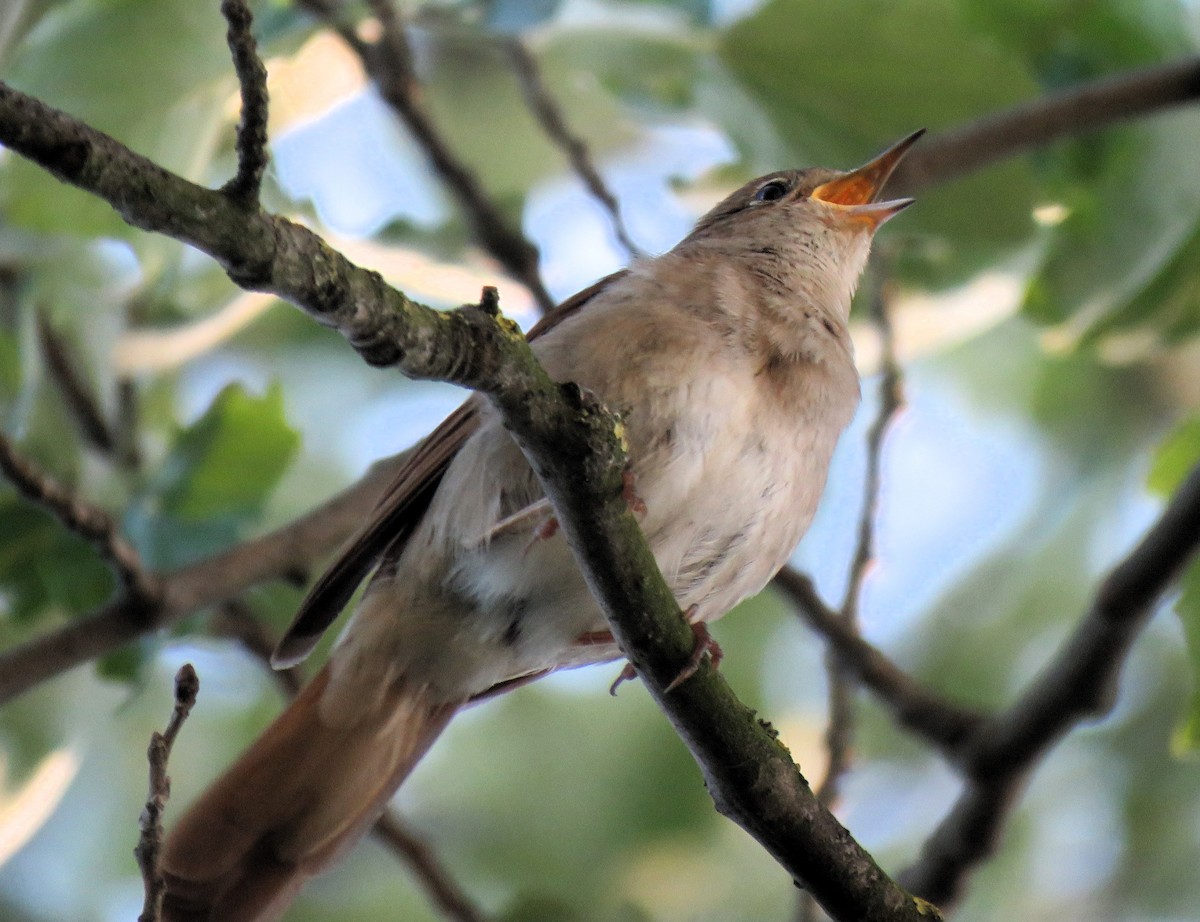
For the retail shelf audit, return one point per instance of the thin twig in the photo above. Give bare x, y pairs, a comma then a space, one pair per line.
554, 124
438, 884
840, 734
187, 686
91, 523
127, 453
920, 710
81, 402
252, 155
236, 621
1079, 682
388, 61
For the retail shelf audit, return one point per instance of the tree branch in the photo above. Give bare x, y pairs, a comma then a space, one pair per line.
1081, 109
77, 395
923, 712
1080, 681
252, 155
293, 549
570, 442
840, 733
187, 686
93, 524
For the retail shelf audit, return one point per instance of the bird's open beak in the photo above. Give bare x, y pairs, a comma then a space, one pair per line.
856, 192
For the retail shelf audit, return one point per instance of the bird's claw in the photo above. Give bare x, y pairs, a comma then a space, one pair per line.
704, 645
626, 675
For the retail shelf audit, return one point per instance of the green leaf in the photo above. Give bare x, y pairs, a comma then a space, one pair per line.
152, 73
840, 80
227, 462
1123, 257
128, 663
1187, 735
43, 565
1176, 457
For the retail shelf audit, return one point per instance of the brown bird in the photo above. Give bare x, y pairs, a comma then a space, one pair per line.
730, 360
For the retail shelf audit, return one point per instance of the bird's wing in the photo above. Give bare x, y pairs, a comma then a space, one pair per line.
400, 509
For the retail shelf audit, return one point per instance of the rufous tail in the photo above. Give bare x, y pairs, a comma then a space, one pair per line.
303, 793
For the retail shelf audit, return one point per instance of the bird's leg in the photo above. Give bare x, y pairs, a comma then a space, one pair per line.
704, 643
543, 531
629, 490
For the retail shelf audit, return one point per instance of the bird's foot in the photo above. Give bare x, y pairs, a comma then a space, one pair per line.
627, 674
543, 531
704, 645
629, 490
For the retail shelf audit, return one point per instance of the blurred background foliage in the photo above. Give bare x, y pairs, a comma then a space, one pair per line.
1046, 318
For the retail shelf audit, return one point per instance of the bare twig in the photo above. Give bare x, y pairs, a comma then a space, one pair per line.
840, 734
550, 117
1079, 682
65, 368
187, 686
90, 522
442, 889
931, 717
252, 153
127, 452
236, 621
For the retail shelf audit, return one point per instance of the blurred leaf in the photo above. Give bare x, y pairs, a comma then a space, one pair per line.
840, 80
227, 462
1129, 218
1187, 734
645, 69
1165, 312
1132, 195
152, 89
10, 366
1176, 456
42, 565
127, 664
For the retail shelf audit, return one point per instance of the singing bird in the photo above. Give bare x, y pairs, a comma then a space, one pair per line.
730, 362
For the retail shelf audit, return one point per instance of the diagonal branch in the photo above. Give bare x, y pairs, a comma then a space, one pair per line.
80, 401
571, 442
91, 523
292, 549
550, 117
1079, 682
920, 710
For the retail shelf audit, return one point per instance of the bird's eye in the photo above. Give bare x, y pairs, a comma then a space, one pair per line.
772, 191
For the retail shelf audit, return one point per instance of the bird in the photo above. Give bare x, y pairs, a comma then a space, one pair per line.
730, 362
